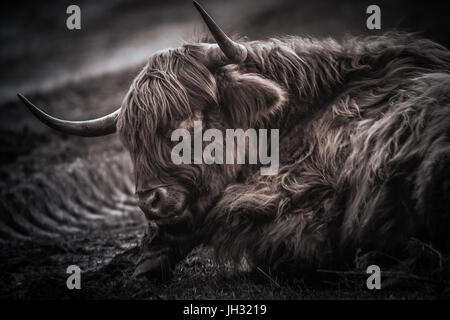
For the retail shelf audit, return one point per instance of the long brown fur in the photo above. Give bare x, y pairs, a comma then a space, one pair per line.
364, 145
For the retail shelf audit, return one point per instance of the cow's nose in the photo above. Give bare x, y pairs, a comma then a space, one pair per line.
154, 202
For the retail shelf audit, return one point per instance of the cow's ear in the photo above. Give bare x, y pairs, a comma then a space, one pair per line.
249, 99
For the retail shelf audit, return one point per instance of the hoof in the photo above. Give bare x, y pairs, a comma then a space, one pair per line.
154, 266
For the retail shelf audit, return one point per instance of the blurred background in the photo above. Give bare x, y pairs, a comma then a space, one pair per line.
38, 52
66, 199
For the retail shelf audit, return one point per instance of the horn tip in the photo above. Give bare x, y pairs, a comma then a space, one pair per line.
234, 51
22, 98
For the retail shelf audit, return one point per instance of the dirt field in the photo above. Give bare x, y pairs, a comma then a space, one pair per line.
67, 200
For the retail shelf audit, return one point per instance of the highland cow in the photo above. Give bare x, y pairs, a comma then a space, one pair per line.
364, 148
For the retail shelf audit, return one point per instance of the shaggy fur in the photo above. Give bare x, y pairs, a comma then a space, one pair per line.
364, 147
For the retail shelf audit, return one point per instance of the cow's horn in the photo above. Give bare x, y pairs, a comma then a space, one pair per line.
89, 128
234, 51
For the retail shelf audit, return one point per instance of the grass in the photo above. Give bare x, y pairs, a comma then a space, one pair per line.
34, 267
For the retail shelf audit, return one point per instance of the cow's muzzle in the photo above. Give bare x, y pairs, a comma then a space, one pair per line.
163, 204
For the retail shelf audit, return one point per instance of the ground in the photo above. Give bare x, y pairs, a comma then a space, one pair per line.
37, 271
67, 200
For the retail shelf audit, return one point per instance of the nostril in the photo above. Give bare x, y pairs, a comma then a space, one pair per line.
156, 199
154, 202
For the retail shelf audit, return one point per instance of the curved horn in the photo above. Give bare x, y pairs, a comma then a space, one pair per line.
89, 128
234, 51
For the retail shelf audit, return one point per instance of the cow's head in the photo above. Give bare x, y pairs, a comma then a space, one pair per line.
206, 82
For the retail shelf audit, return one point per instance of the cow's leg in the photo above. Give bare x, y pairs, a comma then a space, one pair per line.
162, 247
433, 189
432, 183
266, 225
